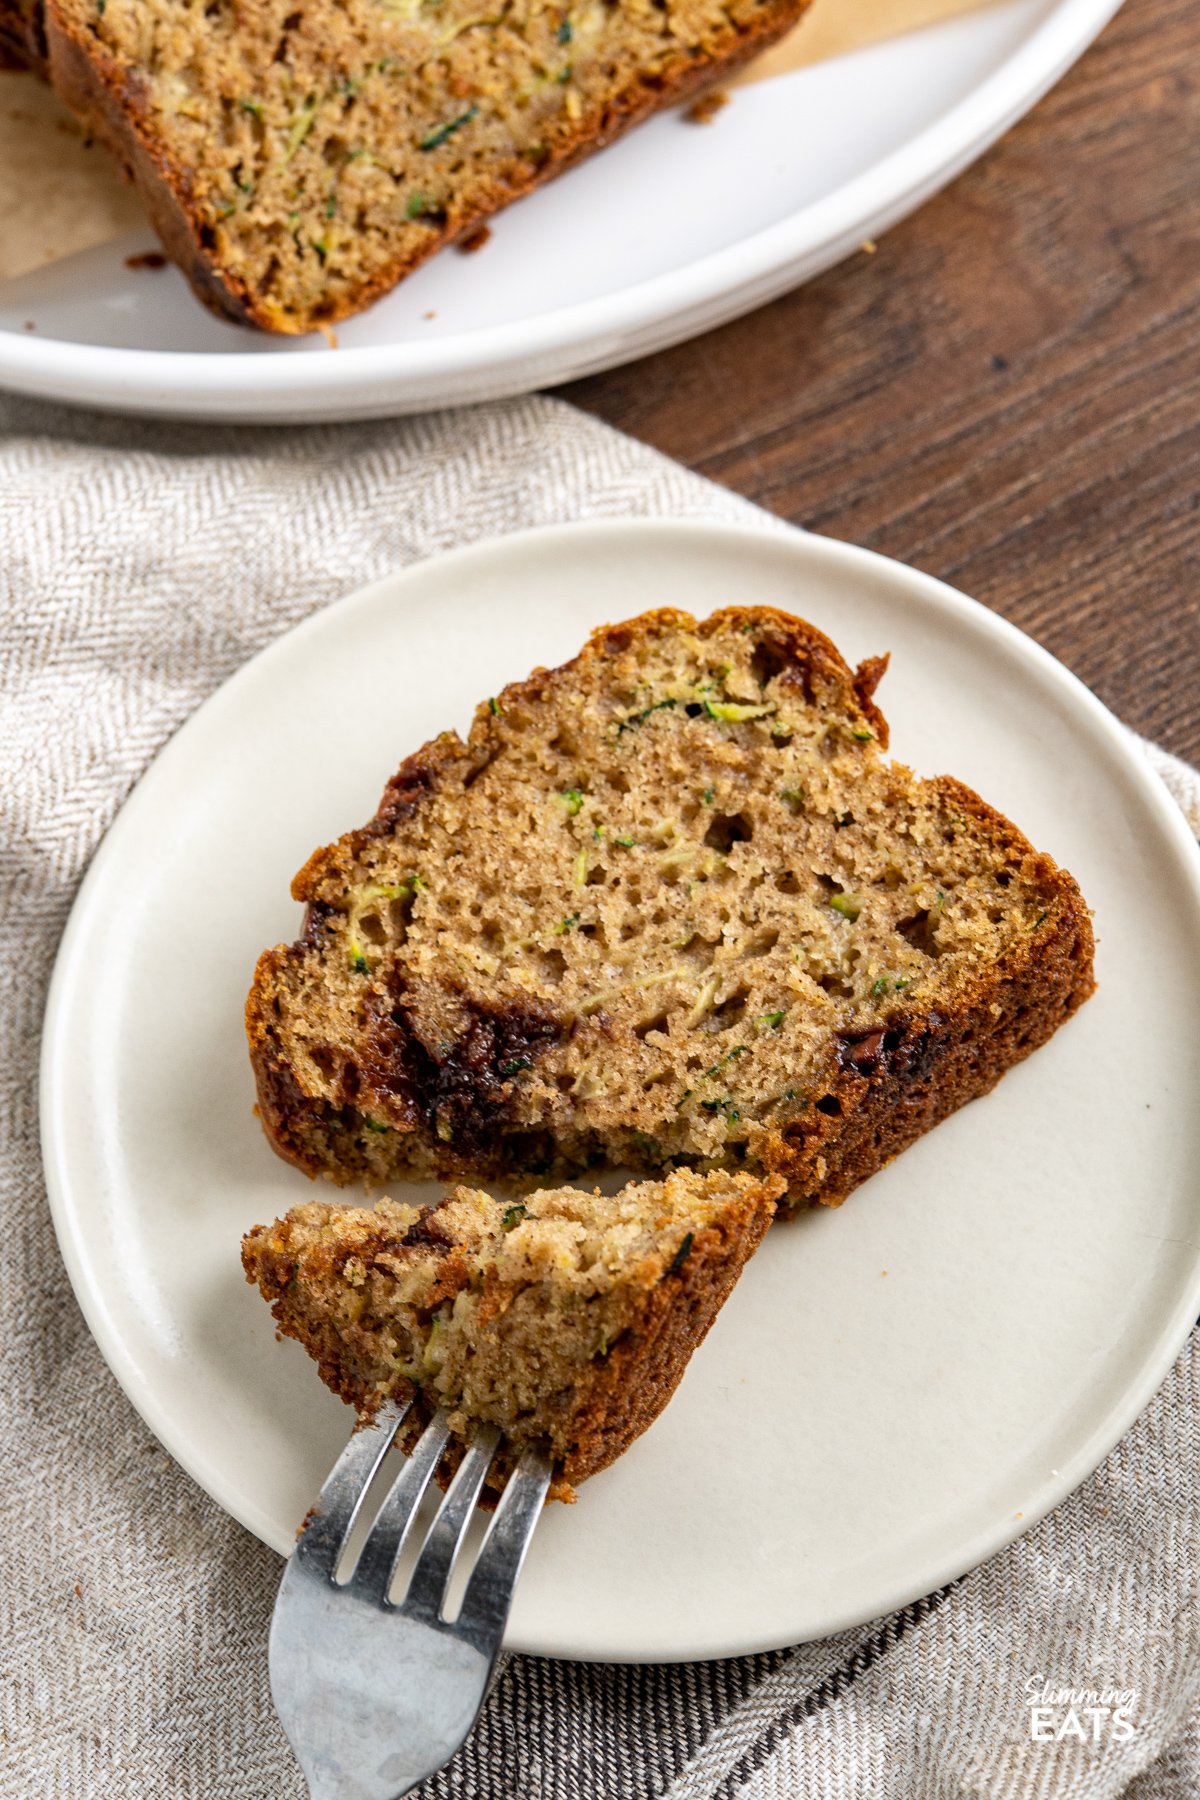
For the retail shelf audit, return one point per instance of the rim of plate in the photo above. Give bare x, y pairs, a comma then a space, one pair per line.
914, 588
665, 306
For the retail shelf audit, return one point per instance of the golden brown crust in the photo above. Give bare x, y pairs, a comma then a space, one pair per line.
89, 81
629, 1389
893, 1086
109, 102
292, 1120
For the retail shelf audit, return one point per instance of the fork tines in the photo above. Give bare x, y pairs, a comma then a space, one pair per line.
323, 1541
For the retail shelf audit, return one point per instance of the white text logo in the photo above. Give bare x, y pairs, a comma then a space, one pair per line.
1059, 1714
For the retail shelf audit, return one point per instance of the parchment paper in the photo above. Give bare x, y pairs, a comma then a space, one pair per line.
60, 194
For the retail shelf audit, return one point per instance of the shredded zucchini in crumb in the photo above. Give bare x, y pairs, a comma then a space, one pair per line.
732, 712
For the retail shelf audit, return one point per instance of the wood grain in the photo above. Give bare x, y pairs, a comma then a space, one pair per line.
1007, 393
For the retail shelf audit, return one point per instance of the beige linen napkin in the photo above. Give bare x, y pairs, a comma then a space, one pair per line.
140, 565
60, 194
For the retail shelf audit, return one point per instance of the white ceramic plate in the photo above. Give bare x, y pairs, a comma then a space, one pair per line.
895, 1389
670, 232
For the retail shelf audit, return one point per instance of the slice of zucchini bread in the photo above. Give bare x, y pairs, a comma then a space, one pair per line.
299, 159
668, 904
567, 1318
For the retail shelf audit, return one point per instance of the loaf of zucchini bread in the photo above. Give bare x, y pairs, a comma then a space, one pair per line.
298, 159
668, 905
565, 1319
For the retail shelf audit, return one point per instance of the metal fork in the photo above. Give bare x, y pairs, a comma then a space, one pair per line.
376, 1696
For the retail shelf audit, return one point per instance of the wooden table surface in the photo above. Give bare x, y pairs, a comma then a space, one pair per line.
1007, 392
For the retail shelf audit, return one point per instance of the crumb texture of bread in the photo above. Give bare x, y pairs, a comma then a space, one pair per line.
565, 1319
669, 905
299, 159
